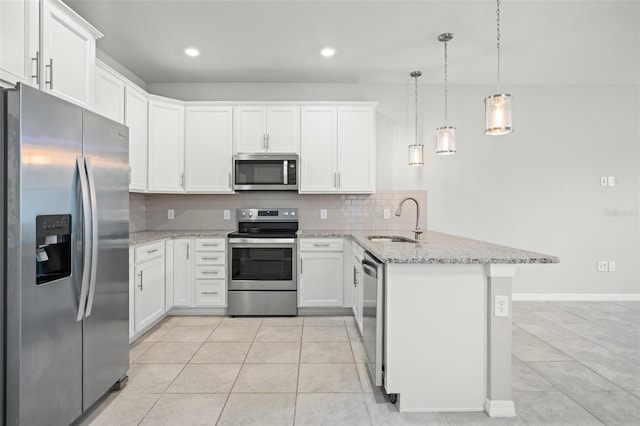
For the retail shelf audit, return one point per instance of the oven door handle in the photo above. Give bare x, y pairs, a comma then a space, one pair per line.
235, 242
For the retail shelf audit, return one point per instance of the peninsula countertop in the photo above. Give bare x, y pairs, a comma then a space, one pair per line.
433, 247
436, 247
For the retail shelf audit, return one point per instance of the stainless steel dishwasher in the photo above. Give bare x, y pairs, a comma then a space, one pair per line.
373, 312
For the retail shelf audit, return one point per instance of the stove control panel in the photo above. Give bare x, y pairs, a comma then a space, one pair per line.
267, 215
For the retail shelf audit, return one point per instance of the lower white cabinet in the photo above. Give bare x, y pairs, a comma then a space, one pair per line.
132, 292
199, 272
321, 273
357, 289
149, 285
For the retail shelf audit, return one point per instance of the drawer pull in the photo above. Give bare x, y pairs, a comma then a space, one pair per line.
209, 292
210, 258
322, 245
209, 272
210, 244
152, 251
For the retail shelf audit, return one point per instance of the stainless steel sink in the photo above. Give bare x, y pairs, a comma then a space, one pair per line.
390, 239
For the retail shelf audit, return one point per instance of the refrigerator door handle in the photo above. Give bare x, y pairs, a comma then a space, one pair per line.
94, 235
87, 237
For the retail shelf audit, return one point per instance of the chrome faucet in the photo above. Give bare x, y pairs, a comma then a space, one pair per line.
417, 231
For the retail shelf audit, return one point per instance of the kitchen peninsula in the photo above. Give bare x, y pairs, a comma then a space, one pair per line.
446, 346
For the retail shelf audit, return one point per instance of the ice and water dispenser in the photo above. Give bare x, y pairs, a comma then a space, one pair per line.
53, 247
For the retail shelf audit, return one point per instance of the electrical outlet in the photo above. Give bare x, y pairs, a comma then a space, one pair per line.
387, 214
502, 306
612, 266
323, 213
603, 266
604, 181
611, 181
171, 214
227, 214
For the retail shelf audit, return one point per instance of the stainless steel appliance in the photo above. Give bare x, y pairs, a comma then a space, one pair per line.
262, 263
65, 214
373, 311
265, 172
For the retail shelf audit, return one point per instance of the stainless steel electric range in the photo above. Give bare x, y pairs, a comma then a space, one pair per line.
262, 263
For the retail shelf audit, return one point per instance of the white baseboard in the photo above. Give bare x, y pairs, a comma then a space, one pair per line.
499, 408
576, 297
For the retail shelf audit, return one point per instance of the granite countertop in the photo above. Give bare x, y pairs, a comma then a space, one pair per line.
436, 247
149, 236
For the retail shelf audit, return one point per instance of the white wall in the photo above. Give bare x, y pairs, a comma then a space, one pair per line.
537, 189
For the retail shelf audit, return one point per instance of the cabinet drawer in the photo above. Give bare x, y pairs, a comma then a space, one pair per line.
210, 244
217, 258
210, 272
321, 244
210, 292
149, 251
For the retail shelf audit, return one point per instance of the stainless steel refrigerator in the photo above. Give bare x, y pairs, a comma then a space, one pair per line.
64, 258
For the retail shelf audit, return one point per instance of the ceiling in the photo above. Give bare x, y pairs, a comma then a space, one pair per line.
543, 42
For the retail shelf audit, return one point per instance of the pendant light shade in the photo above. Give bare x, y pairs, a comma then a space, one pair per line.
416, 155
445, 135
497, 114
497, 108
446, 140
416, 150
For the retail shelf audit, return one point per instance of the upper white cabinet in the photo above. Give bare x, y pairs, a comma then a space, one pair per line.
19, 41
136, 118
208, 150
337, 149
68, 52
166, 146
109, 93
274, 129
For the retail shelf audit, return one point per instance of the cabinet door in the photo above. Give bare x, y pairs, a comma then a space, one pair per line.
356, 149
183, 272
68, 54
166, 147
136, 115
209, 140
250, 129
318, 149
358, 280
283, 129
132, 292
19, 41
321, 281
149, 292
109, 99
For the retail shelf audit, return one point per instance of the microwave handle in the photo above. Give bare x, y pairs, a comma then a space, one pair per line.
285, 167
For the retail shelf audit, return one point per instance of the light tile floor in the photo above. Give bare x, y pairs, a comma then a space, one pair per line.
574, 363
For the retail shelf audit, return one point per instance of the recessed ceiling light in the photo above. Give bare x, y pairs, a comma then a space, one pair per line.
328, 52
191, 51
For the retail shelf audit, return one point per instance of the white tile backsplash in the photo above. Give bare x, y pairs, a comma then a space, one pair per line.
344, 212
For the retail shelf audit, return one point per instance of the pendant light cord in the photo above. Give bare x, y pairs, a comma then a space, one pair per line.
446, 122
498, 42
416, 77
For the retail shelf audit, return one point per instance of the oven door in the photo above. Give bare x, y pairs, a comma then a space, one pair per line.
262, 264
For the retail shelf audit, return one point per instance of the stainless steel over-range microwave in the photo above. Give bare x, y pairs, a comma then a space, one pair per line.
265, 172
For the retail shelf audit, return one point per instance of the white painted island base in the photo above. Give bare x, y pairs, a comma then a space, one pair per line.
444, 349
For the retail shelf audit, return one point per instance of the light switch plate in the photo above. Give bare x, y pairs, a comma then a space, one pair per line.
171, 214
323, 213
227, 214
387, 214
604, 181
611, 181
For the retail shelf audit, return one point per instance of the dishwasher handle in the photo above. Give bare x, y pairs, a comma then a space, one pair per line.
370, 268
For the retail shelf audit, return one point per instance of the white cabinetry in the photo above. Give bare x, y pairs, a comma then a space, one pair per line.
132, 292
210, 272
109, 95
274, 129
321, 272
357, 282
183, 272
166, 146
19, 41
209, 141
136, 115
149, 281
337, 149
68, 54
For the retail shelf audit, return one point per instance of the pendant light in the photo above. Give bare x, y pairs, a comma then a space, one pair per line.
445, 135
497, 108
416, 150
